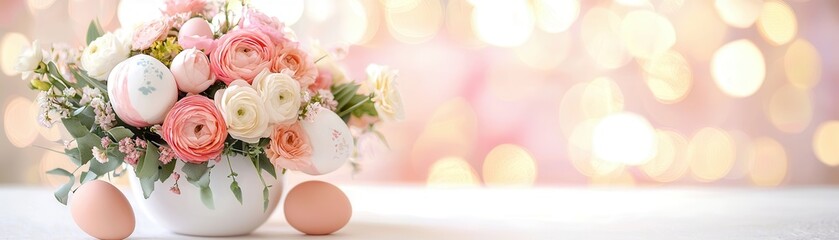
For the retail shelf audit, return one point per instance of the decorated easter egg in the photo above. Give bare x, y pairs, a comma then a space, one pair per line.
102, 211
330, 139
317, 208
142, 90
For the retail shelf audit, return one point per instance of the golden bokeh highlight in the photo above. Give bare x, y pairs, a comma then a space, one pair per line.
739, 13
19, 122
509, 165
802, 64
452, 172
624, 137
503, 23
600, 35
825, 142
738, 68
413, 21
11, 46
52, 134
669, 163
777, 23
711, 154
132, 13
555, 16
544, 51
38, 5
698, 39
451, 131
459, 23
601, 97
581, 157
646, 33
790, 109
768, 165
287, 11
668, 76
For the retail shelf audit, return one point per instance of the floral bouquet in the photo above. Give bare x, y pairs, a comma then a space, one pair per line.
200, 83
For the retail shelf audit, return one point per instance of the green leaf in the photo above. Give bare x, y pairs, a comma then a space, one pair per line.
266, 165
237, 192
74, 126
94, 31
345, 98
87, 177
195, 172
382, 138
115, 158
64, 190
264, 198
81, 75
120, 133
147, 165
85, 145
357, 101
207, 197
73, 154
166, 170
147, 183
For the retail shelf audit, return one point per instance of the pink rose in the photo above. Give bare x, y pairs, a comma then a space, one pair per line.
270, 26
289, 147
195, 130
148, 33
322, 82
191, 69
241, 54
192, 7
292, 58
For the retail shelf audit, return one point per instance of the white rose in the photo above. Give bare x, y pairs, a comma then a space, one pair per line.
30, 58
386, 97
100, 57
281, 95
243, 111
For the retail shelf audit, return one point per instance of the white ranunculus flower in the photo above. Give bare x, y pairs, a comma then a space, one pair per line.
386, 97
281, 95
243, 111
100, 57
30, 58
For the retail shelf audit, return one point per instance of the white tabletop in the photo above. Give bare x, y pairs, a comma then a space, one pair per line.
410, 212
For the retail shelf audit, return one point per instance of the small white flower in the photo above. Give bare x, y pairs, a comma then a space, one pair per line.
100, 57
243, 111
69, 92
281, 95
88, 94
30, 58
386, 96
100, 155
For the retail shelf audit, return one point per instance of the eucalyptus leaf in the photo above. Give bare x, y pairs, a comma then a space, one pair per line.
194, 172
87, 177
266, 165
166, 170
115, 158
64, 190
74, 126
237, 192
79, 74
207, 197
346, 98
73, 154
85, 145
120, 133
147, 165
264, 199
147, 184
55, 76
94, 31
85, 115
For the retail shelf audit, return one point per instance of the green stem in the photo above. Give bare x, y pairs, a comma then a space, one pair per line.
350, 109
229, 165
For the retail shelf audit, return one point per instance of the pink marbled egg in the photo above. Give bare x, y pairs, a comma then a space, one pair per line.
196, 33
142, 90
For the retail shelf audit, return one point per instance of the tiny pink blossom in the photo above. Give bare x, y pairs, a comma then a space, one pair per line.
106, 142
126, 146
175, 189
191, 7
166, 155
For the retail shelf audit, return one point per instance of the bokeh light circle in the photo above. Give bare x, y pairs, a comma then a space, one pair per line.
738, 68
802, 64
19, 122
11, 46
555, 16
624, 137
646, 33
452, 172
825, 142
711, 154
777, 23
768, 165
669, 163
600, 35
790, 109
287, 11
668, 76
413, 21
739, 13
503, 23
507, 165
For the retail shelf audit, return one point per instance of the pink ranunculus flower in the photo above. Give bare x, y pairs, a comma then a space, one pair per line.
195, 129
191, 69
294, 59
270, 26
241, 54
289, 147
184, 6
148, 33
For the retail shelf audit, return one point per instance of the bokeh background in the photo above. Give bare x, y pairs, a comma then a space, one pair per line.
533, 92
